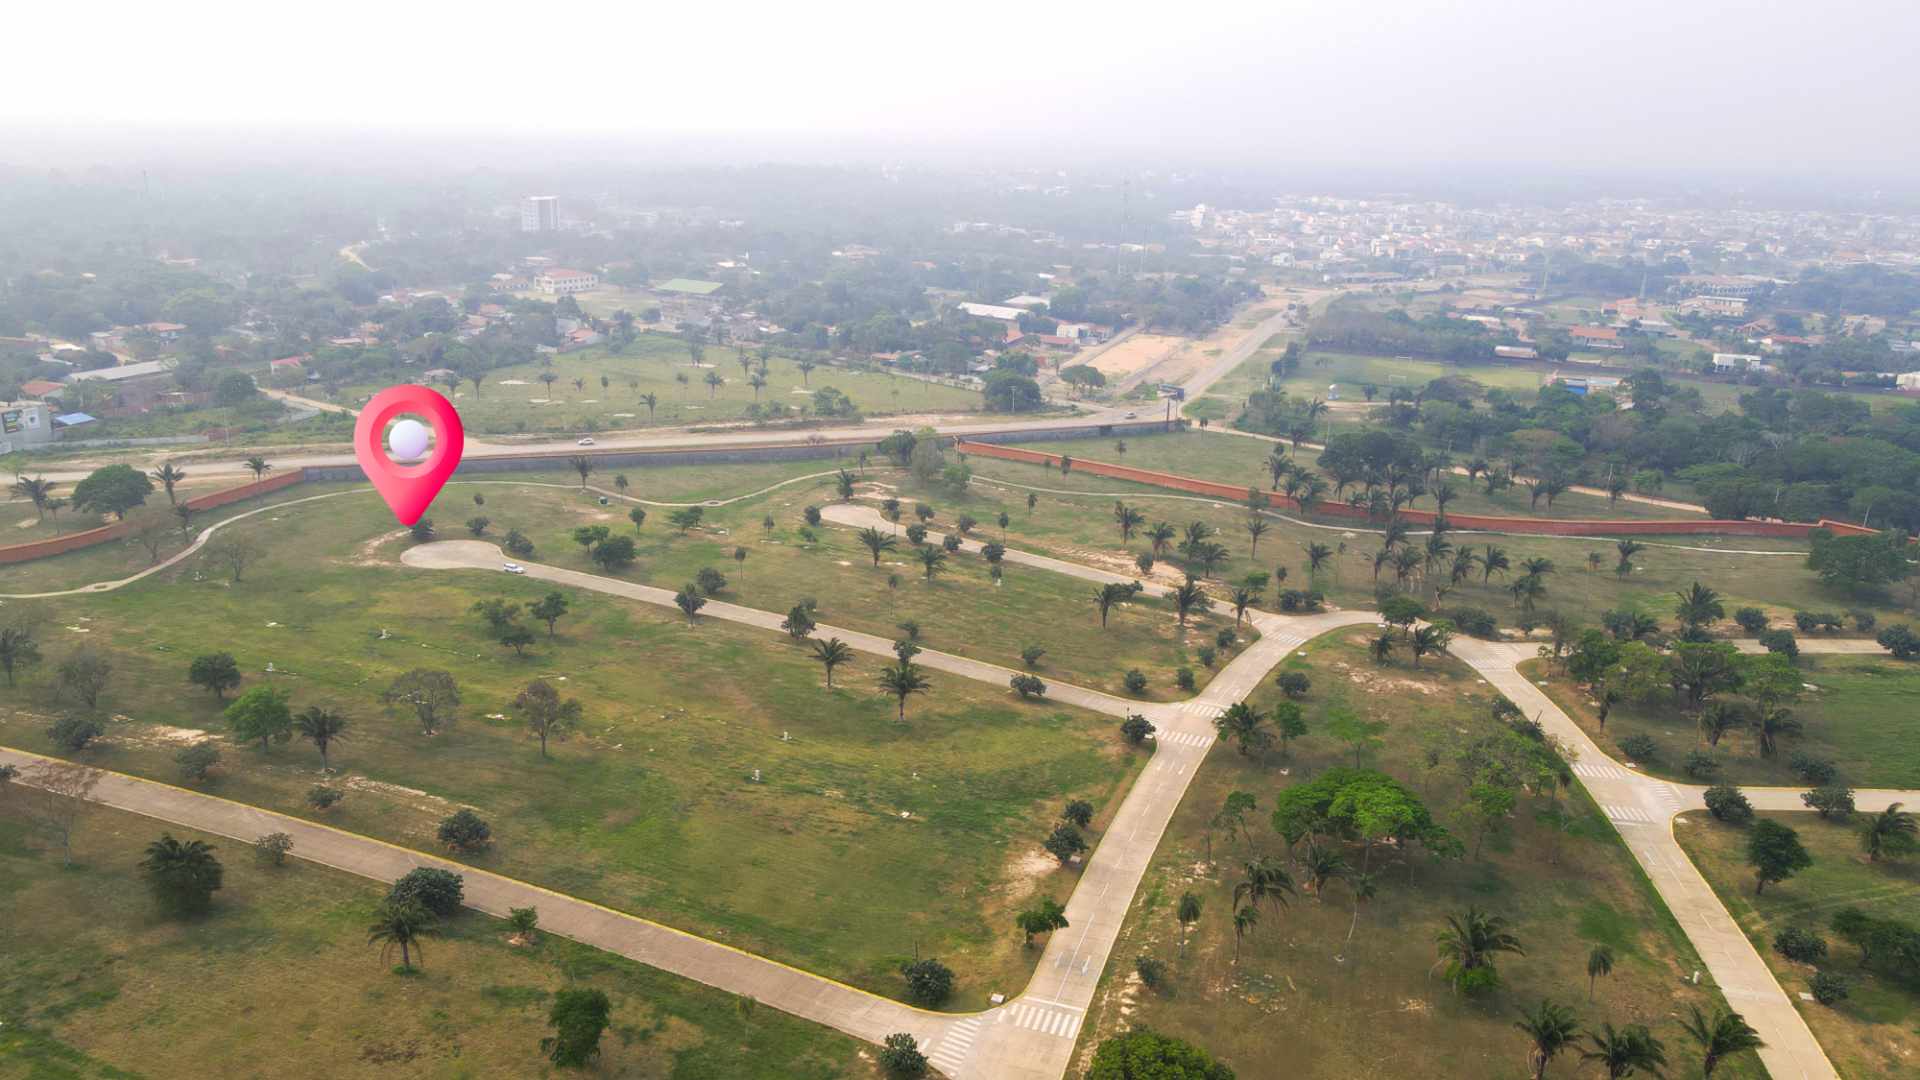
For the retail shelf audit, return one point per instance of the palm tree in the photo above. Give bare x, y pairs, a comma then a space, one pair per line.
1317, 556
321, 725
1627, 549
1278, 465
1444, 493
1493, 562
1470, 941
1380, 559
1599, 962
714, 382
1625, 1052
1698, 606
1725, 1035
1266, 880
1244, 921
169, 475
1188, 912
1257, 527
547, 379
1382, 647
1321, 866
184, 875
1362, 886
39, 490
1160, 536
876, 542
758, 382
1243, 598
806, 367
832, 653
1553, 1028
1889, 832
1128, 519
902, 680
1189, 598
1527, 592
1108, 595
651, 401
258, 466
1426, 639
931, 559
402, 924
620, 483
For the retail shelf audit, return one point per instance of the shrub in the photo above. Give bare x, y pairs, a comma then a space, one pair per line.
422, 530
1729, 804
1800, 944
916, 534
73, 733
1135, 729
929, 982
710, 581
1294, 684
911, 629
812, 515
1314, 601
1780, 641
1701, 764
951, 542
1829, 988
1206, 654
195, 760
1183, 678
322, 797
1079, 812
439, 891
1812, 770
1135, 681
1863, 621
463, 830
1152, 972
1807, 621
517, 544
523, 921
1473, 622
808, 535
1900, 640
1030, 655
1144, 561
1750, 619
1640, 747
900, 1056
1831, 801
1226, 637
273, 848
1028, 686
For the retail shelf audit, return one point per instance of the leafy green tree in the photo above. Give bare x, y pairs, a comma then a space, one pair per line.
196, 760
84, 674
1135, 729
215, 672
112, 489
1859, 564
320, 725
401, 924
1775, 853
1044, 917
1064, 843
900, 1056
548, 715
929, 982
1188, 913
550, 609
1727, 1033
433, 696
686, 518
18, 650
498, 613
1552, 1029
465, 831
440, 892
1144, 1054
689, 600
261, 713
182, 876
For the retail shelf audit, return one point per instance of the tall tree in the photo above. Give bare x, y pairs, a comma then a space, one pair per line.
169, 475
903, 679
261, 713
401, 924
1890, 832
1551, 1028
1721, 1037
579, 1016
320, 725
1624, 1052
832, 653
546, 713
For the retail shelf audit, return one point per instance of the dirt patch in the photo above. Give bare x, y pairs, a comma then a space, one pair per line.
1024, 871
1137, 353
368, 554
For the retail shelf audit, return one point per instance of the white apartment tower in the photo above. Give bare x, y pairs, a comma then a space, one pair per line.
540, 213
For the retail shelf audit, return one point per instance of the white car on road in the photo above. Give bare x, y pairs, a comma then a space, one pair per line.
514, 568
588, 441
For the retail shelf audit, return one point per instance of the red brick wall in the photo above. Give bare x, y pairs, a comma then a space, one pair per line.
1536, 526
58, 545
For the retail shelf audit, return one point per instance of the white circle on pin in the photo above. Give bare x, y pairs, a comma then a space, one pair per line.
408, 440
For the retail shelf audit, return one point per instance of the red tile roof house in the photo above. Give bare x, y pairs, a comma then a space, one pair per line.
287, 363
39, 388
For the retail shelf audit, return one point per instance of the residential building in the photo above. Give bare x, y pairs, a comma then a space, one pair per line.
24, 424
992, 311
1737, 362
40, 388
124, 373
540, 213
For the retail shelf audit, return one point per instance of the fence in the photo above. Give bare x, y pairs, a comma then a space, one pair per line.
59, 545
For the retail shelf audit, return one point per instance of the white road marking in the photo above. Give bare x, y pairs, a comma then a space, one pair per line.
949, 1053
1628, 815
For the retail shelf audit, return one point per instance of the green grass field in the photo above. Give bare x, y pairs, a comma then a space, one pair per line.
278, 980
1875, 1031
513, 399
652, 810
1303, 1001
1860, 717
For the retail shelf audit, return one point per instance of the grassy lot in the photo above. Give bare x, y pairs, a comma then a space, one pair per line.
20, 523
1075, 517
1374, 1006
514, 400
1875, 1031
1860, 717
654, 810
1233, 459
278, 980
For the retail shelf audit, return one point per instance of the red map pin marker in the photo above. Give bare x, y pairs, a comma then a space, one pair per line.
408, 489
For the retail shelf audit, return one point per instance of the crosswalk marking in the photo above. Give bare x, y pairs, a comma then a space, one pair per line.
1186, 738
1201, 708
1596, 771
1628, 815
1047, 1021
949, 1052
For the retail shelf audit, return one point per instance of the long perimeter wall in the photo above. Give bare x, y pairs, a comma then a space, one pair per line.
1478, 522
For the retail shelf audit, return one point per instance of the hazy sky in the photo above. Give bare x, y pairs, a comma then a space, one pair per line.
1699, 84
